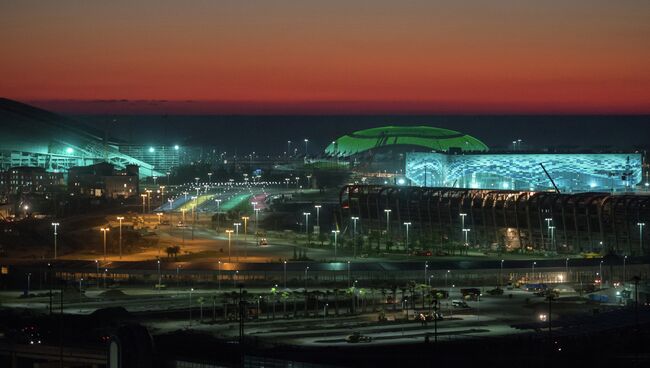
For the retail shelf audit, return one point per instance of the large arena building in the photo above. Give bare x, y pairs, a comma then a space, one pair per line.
56, 143
435, 157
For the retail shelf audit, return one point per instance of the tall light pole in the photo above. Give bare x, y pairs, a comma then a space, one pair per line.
462, 223
159, 277
229, 232
426, 267
640, 225
336, 233
349, 265
245, 218
159, 214
354, 236
387, 212
237, 225
406, 245
306, 214
318, 206
120, 218
285, 274
105, 230
548, 228
190, 320
624, 274
144, 202
306, 269
288, 148
56, 225
148, 200
501, 273
218, 211
465, 232
533, 272
306, 143
600, 273
552, 229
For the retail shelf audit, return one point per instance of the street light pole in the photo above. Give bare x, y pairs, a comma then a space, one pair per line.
501, 274
285, 274
336, 233
229, 232
318, 206
237, 225
349, 274
533, 272
406, 246
144, 202
306, 269
105, 230
426, 267
56, 225
387, 211
219, 276
640, 225
120, 218
624, 274
354, 236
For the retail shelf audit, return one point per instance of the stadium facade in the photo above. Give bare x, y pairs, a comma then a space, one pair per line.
444, 219
33, 137
571, 172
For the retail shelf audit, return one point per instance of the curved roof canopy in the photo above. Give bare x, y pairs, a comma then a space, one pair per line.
426, 137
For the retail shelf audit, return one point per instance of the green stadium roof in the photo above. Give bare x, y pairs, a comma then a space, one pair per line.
436, 139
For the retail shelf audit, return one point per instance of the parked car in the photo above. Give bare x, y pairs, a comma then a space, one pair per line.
263, 242
459, 304
358, 337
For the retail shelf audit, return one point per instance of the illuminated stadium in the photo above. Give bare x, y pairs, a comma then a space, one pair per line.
56, 143
421, 138
571, 172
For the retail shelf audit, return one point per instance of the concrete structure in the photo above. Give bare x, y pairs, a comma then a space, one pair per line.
502, 219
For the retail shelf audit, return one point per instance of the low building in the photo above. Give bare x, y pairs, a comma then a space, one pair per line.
103, 180
30, 180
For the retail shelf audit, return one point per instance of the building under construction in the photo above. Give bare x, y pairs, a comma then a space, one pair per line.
508, 220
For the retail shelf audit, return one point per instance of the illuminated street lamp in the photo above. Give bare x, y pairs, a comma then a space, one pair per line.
229, 232
237, 225
56, 225
354, 235
336, 233
387, 212
426, 267
219, 275
533, 272
306, 214
285, 274
552, 230
159, 277
159, 214
640, 225
104, 230
306, 143
318, 206
120, 218
406, 245
245, 219
144, 202
148, 200
466, 232
624, 274
462, 221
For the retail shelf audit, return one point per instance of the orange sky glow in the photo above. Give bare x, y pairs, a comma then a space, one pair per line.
501, 56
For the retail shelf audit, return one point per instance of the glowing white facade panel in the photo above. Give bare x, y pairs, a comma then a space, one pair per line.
571, 172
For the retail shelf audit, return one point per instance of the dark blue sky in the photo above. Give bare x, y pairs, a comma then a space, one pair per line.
270, 133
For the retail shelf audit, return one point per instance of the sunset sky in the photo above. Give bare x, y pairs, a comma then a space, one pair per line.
265, 56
